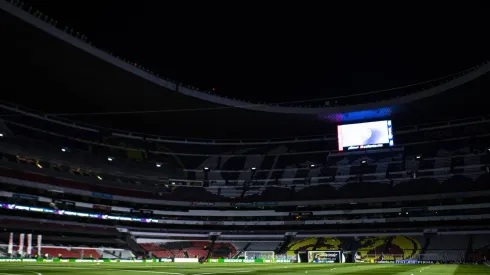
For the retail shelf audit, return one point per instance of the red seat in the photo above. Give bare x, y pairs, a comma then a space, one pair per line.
54, 252
87, 252
162, 254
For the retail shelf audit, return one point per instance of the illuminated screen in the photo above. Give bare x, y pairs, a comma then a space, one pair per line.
365, 135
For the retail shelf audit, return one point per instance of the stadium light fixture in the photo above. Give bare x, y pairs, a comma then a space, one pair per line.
99, 177
363, 162
253, 168
418, 157
110, 158
1, 134
64, 149
312, 165
206, 169
159, 165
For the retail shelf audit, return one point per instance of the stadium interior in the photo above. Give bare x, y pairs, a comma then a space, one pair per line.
81, 190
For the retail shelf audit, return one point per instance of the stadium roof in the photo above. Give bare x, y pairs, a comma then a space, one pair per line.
52, 76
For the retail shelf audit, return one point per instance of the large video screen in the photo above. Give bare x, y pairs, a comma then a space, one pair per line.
365, 135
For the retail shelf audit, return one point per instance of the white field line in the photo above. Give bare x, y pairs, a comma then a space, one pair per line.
105, 269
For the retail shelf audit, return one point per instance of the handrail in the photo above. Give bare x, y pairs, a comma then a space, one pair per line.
214, 142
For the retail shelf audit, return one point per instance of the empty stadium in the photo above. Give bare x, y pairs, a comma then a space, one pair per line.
390, 183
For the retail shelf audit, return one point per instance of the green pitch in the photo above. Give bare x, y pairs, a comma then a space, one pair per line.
235, 269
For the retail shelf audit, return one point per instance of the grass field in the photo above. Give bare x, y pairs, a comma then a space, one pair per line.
235, 268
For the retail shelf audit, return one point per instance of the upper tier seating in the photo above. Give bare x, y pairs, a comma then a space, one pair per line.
448, 248
449, 242
426, 185
223, 250
388, 167
263, 246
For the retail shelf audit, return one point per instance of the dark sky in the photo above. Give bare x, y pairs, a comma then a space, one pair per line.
280, 51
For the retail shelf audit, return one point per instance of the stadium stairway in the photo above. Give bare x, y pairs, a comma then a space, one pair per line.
387, 246
283, 248
416, 249
211, 247
426, 245
424, 249
242, 195
469, 249
318, 243
134, 246
242, 250
109, 254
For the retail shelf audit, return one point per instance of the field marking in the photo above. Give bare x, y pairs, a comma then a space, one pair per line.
230, 271
19, 274
126, 270
144, 271
104, 269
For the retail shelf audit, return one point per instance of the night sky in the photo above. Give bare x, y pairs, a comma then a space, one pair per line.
281, 51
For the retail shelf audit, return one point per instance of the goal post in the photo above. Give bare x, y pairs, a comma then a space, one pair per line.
267, 255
